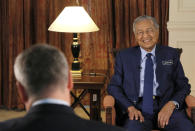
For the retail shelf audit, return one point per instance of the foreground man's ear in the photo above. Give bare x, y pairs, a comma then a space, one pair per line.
22, 92
70, 83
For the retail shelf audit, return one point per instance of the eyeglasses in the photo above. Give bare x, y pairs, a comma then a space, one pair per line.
148, 32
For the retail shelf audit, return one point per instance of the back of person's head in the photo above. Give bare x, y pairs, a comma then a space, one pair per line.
145, 17
41, 67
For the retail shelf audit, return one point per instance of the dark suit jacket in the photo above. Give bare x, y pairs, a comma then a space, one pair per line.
53, 117
125, 83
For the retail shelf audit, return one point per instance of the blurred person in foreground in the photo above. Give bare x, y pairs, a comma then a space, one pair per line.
44, 84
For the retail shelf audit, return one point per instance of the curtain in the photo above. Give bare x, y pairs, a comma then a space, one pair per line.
125, 11
25, 22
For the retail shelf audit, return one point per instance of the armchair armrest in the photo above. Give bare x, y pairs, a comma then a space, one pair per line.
108, 104
190, 101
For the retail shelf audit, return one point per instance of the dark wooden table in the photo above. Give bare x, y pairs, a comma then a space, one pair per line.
90, 84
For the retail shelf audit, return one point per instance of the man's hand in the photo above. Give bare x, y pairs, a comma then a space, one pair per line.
165, 114
135, 114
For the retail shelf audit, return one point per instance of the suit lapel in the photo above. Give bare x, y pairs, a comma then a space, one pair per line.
159, 57
137, 68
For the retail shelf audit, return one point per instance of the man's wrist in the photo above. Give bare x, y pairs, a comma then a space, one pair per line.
176, 104
172, 106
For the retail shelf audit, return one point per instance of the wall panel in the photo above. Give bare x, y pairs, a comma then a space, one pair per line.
181, 28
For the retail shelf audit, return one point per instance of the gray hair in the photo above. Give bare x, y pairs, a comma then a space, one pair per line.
145, 17
39, 67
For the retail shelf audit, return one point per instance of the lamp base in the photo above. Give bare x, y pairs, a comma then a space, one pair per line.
76, 73
76, 66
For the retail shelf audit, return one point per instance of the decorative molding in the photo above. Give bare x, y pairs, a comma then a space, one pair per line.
188, 64
188, 43
186, 6
173, 25
181, 27
182, 11
179, 43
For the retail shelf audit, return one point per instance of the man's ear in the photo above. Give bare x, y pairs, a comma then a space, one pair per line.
70, 84
22, 92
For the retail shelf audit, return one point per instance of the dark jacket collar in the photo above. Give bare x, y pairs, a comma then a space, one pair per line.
50, 108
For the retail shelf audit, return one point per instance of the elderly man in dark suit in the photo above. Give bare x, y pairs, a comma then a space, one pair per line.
149, 84
44, 84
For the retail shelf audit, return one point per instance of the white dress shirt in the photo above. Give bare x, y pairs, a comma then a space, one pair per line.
142, 71
50, 101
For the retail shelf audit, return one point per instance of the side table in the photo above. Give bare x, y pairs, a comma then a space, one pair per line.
90, 84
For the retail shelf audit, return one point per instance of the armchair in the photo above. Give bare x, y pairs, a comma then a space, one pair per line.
110, 111
109, 102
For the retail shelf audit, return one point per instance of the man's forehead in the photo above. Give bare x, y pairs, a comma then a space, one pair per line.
144, 24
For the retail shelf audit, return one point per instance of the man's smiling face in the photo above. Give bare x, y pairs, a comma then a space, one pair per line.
146, 34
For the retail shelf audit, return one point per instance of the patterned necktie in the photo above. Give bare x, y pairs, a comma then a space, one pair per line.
147, 106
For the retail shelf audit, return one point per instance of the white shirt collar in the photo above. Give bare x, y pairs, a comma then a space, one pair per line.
144, 52
50, 101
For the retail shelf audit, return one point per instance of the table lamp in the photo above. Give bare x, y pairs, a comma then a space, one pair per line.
74, 19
